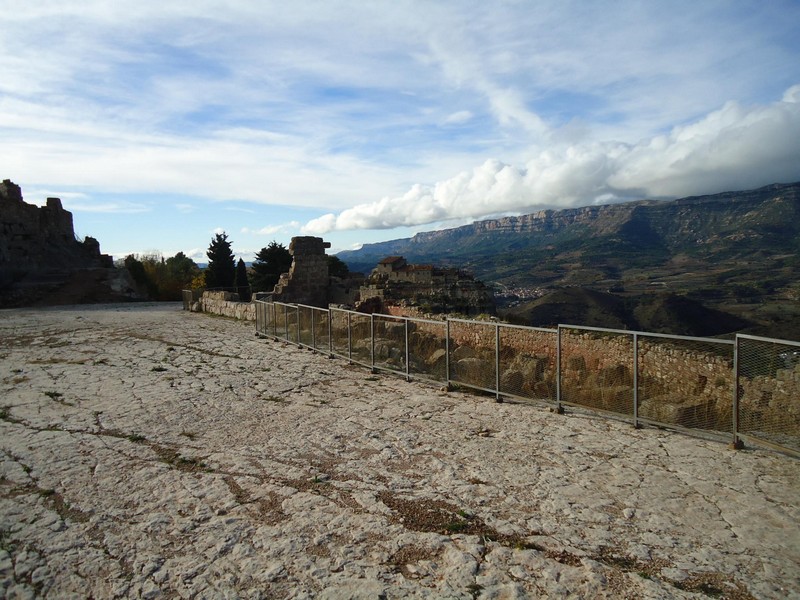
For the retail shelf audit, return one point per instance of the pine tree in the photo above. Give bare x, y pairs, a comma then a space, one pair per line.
270, 263
221, 270
242, 285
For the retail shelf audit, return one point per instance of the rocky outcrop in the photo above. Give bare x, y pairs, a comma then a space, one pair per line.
42, 262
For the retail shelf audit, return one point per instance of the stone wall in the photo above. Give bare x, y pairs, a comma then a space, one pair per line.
225, 304
33, 237
42, 263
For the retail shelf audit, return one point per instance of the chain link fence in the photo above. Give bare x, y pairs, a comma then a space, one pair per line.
748, 388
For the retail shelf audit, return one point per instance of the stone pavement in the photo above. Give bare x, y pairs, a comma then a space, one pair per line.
147, 452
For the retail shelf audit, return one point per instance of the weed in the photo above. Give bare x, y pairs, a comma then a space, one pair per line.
372, 378
189, 434
474, 589
136, 438
5, 412
277, 399
159, 369
47, 493
456, 526
53, 395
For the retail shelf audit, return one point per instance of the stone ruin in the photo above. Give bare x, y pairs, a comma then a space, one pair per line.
436, 290
42, 262
307, 281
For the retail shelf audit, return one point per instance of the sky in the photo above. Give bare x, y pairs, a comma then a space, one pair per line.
159, 124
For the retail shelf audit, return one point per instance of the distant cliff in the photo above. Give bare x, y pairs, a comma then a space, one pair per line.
739, 251
607, 239
41, 261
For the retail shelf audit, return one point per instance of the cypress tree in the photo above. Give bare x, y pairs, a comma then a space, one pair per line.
242, 285
221, 270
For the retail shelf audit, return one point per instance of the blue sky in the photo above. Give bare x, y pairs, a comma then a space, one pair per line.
161, 123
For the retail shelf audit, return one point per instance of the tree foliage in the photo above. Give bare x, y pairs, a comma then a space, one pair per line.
242, 285
270, 263
162, 279
221, 270
337, 267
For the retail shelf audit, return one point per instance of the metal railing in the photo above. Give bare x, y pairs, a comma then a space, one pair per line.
743, 389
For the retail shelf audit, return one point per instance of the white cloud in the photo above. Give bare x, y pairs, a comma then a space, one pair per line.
731, 148
273, 229
124, 208
457, 118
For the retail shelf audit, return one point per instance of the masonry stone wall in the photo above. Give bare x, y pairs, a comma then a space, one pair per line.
34, 237
225, 304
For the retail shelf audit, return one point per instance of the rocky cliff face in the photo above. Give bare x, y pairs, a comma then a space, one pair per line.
41, 261
765, 216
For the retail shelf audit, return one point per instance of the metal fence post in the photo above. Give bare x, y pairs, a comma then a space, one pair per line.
408, 368
497, 362
372, 341
559, 408
736, 443
349, 341
297, 317
636, 424
330, 333
313, 332
286, 321
447, 352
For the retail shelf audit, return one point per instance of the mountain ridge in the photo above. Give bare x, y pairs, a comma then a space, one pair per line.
600, 218
735, 251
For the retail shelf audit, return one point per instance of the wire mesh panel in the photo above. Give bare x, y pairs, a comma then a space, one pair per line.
686, 381
281, 320
389, 343
473, 354
427, 349
340, 336
261, 317
528, 362
305, 322
769, 390
597, 368
292, 331
361, 338
322, 340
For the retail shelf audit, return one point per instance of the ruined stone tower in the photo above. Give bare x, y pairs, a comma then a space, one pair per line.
307, 280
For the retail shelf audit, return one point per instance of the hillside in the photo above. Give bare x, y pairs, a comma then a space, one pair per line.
658, 313
735, 251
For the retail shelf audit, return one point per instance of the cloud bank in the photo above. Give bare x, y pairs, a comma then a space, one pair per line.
735, 147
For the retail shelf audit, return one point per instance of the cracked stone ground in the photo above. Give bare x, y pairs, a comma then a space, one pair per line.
148, 452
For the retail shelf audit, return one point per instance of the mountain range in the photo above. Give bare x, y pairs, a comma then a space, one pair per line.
736, 251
